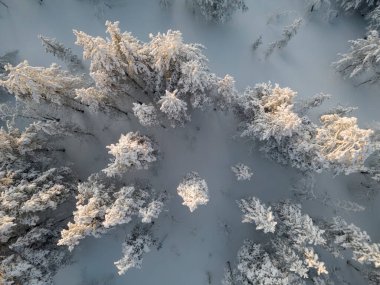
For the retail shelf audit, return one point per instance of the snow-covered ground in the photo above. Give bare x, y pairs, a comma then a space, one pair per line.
197, 245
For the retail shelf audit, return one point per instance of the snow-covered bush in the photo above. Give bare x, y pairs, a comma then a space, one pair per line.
193, 190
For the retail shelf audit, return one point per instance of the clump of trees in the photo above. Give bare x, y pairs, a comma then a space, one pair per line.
290, 257
267, 113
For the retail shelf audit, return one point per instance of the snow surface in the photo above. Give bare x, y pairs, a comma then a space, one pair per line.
199, 243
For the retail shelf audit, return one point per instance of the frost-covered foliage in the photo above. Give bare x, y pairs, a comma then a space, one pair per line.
343, 143
352, 5
146, 114
121, 63
32, 194
219, 11
288, 257
288, 33
256, 267
50, 84
342, 236
373, 18
255, 211
242, 171
291, 251
133, 151
363, 58
266, 113
136, 245
193, 190
74, 64
174, 108
102, 205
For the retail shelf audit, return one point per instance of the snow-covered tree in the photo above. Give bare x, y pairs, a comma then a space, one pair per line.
51, 45
363, 58
146, 114
342, 236
256, 267
174, 108
287, 34
34, 258
343, 144
288, 254
242, 171
266, 113
271, 108
352, 5
115, 62
193, 190
136, 245
219, 11
373, 18
255, 211
132, 151
32, 196
37, 84
226, 94
101, 206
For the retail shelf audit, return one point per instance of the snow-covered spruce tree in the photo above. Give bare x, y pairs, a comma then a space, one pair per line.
33, 194
266, 113
102, 205
242, 171
342, 236
255, 211
287, 34
174, 108
256, 267
219, 11
193, 190
133, 151
363, 59
35, 84
74, 64
136, 245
